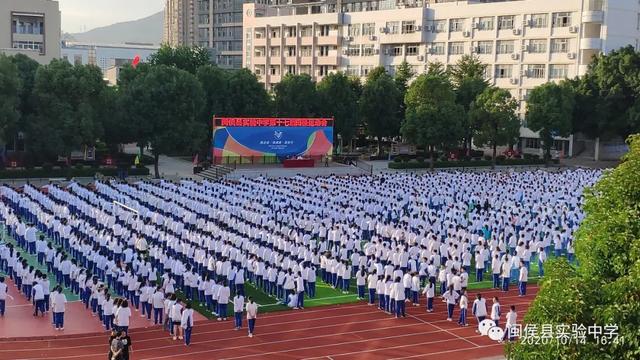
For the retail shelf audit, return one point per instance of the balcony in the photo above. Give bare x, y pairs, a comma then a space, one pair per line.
591, 43
290, 60
259, 41
327, 60
306, 60
596, 16
291, 41
327, 40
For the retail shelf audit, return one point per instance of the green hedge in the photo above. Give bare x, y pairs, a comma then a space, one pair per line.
68, 172
474, 163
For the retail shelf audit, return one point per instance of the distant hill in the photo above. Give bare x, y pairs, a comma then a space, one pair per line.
145, 30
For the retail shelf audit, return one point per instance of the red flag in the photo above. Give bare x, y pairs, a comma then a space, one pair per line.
136, 61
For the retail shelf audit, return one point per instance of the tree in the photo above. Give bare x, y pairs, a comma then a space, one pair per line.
181, 57
605, 288
68, 109
469, 66
246, 95
27, 68
495, 113
376, 72
437, 68
404, 74
165, 104
379, 105
9, 96
433, 118
295, 96
215, 83
339, 100
549, 111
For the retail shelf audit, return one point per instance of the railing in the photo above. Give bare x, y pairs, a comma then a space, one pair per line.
234, 161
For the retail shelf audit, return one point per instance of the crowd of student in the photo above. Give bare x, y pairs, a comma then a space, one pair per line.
397, 235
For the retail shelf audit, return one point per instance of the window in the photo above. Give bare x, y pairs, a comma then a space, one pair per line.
532, 143
352, 70
324, 51
456, 25
368, 29
324, 70
275, 33
305, 51
561, 19
353, 50
306, 31
485, 23
32, 25
412, 50
456, 48
291, 69
559, 45
536, 71
440, 26
324, 30
274, 70
367, 50
393, 27
29, 45
291, 31
366, 69
291, 51
354, 30
505, 22
505, 46
537, 46
437, 48
203, 19
396, 51
538, 21
408, 27
503, 71
274, 51
558, 71
485, 47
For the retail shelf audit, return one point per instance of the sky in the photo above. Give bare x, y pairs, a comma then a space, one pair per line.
82, 15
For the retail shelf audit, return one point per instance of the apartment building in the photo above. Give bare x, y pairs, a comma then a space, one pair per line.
32, 28
524, 42
212, 24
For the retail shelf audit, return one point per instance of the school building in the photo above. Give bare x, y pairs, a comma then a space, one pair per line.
524, 42
30, 27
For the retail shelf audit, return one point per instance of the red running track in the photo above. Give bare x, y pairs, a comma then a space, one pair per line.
344, 332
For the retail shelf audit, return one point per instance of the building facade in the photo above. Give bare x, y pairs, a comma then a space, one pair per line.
212, 24
524, 42
32, 28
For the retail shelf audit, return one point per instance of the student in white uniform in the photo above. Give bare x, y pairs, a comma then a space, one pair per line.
186, 322
122, 316
3, 295
58, 308
479, 309
451, 298
430, 292
495, 311
464, 304
176, 319
38, 298
512, 316
523, 277
238, 306
252, 315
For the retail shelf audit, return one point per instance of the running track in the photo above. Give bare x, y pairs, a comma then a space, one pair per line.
344, 332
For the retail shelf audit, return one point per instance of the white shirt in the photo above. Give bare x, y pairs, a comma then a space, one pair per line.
187, 318
238, 303
511, 318
58, 302
3, 291
252, 310
38, 292
480, 307
122, 315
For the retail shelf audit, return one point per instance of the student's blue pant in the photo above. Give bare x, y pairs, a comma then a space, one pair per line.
46, 302
400, 308
505, 284
463, 317
39, 306
414, 296
522, 286
381, 304
361, 291
147, 307
496, 280
540, 269
237, 316
443, 287
2, 307
187, 335
240, 289
301, 299
450, 310
222, 310
107, 320
430, 303
479, 273
157, 315
372, 295
252, 325
58, 319
40, 258
312, 289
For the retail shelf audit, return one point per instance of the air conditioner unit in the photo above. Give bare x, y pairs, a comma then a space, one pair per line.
515, 56
258, 71
571, 56
474, 25
473, 49
348, 38
525, 48
525, 23
514, 81
428, 28
418, 28
517, 31
466, 33
431, 50
420, 58
383, 30
376, 51
525, 73
386, 51
573, 29
372, 37
345, 52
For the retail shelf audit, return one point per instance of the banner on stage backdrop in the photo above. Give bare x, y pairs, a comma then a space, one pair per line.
272, 137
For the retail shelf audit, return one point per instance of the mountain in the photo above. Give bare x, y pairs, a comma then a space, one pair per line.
145, 30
